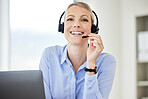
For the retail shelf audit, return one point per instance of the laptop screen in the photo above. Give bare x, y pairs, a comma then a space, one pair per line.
21, 85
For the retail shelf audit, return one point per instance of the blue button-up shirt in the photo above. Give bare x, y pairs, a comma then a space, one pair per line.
61, 82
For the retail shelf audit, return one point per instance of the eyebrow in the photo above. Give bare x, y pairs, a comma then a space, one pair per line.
84, 15
74, 16
70, 15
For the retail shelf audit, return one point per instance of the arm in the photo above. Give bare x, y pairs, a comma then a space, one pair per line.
43, 66
98, 86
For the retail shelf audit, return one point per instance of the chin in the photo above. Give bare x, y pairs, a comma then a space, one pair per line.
78, 42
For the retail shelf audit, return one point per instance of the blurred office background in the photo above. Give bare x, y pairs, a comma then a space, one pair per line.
28, 26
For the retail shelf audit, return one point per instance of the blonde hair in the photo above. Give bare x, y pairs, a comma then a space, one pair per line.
84, 5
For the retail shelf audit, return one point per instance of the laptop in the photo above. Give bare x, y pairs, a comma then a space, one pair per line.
21, 85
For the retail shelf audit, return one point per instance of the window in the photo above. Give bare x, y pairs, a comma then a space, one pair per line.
34, 26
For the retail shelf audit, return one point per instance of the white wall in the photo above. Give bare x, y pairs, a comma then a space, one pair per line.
4, 34
130, 9
109, 17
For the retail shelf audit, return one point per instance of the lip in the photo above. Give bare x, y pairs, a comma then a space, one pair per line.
77, 31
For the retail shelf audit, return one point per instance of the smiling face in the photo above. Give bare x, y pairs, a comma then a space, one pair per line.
77, 23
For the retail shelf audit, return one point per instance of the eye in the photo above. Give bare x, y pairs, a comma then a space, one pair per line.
85, 20
70, 19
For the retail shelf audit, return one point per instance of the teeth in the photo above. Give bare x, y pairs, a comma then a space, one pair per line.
76, 33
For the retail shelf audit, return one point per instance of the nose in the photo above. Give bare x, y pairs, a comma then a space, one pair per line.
77, 24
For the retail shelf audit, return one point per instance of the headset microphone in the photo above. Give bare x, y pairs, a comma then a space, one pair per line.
94, 28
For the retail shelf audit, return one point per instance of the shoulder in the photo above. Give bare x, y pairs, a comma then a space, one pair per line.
54, 50
105, 62
106, 57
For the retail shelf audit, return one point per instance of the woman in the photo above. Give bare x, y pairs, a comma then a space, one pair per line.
69, 71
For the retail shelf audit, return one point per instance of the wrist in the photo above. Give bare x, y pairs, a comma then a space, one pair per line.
91, 71
91, 65
90, 61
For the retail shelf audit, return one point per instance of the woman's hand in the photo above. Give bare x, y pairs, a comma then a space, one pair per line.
94, 49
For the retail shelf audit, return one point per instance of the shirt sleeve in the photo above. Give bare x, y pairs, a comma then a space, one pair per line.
98, 86
43, 66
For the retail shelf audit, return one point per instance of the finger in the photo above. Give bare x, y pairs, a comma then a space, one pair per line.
96, 37
99, 40
91, 42
92, 34
97, 44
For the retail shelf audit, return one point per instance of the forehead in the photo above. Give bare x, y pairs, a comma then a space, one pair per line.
77, 10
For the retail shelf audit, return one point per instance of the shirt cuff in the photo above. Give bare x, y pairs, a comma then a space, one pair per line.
91, 84
90, 77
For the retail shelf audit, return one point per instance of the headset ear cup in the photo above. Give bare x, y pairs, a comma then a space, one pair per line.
62, 27
59, 28
93, 28
97, 30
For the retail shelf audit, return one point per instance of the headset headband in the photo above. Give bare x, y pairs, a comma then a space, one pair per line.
96, 18
61, 17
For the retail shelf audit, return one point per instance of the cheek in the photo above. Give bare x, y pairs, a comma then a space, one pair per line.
88, 28
66, 27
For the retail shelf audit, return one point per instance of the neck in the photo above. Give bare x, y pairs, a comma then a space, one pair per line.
77, 54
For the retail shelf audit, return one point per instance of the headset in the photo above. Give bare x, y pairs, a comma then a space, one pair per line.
94, 28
